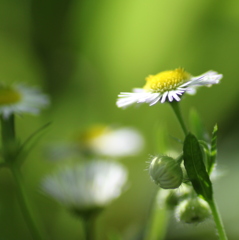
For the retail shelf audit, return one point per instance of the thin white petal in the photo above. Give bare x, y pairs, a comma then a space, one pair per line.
175, 96
191, 90
126, 99
170, 96
164, 97
205, 79
152, 97
157, 98
138, 90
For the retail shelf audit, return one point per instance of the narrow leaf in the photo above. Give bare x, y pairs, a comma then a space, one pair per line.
206, 153
22, 152
196, 170
39, 130
213, 152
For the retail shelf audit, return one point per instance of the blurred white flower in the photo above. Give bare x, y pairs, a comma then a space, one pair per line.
112, 142
167, 86
85, 186
100, 141
18, 99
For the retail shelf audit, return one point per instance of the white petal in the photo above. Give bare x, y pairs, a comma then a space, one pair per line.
139, 96
175, 95
206, 79
155, 100
127, 99
138, 90
191, 90
164, 97
170, 96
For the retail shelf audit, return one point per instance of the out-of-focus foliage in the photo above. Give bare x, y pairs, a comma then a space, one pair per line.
83, 53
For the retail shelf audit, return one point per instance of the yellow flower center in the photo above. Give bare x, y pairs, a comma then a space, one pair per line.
92, 133
166, 81
9, 96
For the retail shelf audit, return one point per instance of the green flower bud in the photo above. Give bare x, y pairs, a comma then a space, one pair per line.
166, 172
193, 210
171, 199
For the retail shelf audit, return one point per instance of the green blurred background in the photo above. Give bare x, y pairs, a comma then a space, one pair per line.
83, 53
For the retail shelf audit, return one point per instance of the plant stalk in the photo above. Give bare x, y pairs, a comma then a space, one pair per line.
89, 227
217, 219
21, 196
9, 154
176, 108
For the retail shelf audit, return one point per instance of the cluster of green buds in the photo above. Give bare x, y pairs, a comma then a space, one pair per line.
186, 206
170, 174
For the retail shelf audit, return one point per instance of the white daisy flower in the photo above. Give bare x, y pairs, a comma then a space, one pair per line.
99, 140
112, 142
86, 186
18, 99
167, 86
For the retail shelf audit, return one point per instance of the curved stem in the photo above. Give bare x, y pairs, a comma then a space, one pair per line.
8, 144
179, 159
176, 109
218, 220
23, 204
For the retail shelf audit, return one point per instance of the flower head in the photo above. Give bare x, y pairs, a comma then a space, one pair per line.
98, 141
111, 142
86, 186
18, 99
167, 86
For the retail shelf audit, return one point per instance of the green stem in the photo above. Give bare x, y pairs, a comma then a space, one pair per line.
8, 136
217, 220
157, 220
89, 226
176, 109
9, 154
179, 159
24, 205
8, 129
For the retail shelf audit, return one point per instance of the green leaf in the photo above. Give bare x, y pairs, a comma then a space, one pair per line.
197, 126
196, 170
23, 151
213, 152
205, 147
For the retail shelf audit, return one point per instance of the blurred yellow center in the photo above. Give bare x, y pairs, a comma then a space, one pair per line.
167, 80
9, 96
93, 132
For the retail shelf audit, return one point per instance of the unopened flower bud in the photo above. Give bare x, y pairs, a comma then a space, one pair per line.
194, 210
169, 198
166, 172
